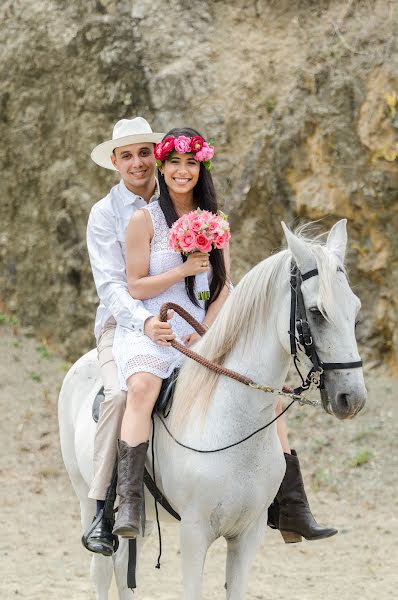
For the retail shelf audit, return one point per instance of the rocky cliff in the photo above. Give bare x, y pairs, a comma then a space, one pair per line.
300, 96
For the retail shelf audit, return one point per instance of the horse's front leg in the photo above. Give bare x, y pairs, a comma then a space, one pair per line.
195, 537
101, 571
240, 553
120, 561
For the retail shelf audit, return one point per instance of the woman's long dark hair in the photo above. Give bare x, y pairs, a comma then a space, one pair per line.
204, 196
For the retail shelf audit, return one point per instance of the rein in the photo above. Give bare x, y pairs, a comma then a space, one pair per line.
286, 391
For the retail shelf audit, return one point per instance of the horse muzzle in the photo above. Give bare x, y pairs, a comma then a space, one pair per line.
343, 403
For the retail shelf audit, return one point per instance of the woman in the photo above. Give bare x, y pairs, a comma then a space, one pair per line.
156, 274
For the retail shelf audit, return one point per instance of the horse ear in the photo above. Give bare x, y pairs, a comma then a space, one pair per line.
337, 239
301, 254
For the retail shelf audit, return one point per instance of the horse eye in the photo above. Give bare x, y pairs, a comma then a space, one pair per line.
314, 310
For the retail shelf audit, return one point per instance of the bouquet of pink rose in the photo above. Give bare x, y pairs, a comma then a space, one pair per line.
200, 231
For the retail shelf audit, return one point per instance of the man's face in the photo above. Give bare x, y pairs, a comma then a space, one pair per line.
136, 164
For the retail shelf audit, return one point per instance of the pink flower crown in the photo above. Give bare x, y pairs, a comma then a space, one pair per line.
196, 145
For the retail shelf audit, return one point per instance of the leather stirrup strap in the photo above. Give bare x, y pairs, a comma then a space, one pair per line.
158, 496
111, 495
132, 564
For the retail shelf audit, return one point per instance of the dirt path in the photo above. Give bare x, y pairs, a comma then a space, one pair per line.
351, 473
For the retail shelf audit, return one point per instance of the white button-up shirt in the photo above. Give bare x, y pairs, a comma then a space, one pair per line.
106, 230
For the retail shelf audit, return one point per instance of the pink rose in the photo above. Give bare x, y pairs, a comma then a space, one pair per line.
221, 241
203, 244
206, 153
188, 242
213, 224
182, 144
196, 224
206, 215
174, 242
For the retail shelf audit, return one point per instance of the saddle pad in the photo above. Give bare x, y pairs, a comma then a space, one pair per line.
97, 403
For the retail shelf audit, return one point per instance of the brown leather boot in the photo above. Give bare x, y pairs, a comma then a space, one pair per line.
130, 489
290, 511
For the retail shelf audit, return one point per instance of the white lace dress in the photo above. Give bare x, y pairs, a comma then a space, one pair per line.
135, 352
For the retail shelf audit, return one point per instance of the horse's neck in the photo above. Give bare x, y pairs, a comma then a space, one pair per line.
264, 361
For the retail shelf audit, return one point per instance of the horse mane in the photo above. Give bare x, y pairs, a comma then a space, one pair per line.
244, 313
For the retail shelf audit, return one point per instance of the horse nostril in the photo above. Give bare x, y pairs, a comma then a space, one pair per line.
349, 404
343, 402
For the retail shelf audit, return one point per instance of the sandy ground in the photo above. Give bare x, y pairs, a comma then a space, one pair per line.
350, 471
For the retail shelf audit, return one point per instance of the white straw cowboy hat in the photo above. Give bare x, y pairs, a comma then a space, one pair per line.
125, 132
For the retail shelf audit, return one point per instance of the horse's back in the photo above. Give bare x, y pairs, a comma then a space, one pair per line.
81, 381
78, 390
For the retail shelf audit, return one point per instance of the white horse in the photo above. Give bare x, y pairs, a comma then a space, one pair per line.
227, 493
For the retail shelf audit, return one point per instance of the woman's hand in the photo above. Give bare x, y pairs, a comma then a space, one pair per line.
190, 339
197, 262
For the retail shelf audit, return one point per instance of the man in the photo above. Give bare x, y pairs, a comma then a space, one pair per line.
131, 153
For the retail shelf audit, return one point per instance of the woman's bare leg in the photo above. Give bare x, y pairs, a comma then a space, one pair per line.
282, 429
143, 390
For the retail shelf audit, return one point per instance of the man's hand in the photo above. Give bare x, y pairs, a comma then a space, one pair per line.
159, 331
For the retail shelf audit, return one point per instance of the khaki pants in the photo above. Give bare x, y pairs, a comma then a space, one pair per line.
110, 416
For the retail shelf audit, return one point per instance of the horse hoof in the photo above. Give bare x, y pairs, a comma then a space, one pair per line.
290, 537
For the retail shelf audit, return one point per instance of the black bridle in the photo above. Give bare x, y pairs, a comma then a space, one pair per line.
304, 339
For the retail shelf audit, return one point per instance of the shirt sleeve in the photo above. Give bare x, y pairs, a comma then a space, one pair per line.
109, 272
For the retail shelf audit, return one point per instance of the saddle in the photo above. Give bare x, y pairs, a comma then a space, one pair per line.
163, 403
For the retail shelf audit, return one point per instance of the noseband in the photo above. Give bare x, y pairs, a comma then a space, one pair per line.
299, 323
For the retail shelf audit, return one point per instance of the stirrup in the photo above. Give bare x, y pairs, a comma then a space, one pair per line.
96, 520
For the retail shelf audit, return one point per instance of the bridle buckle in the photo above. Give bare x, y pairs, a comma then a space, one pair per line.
315, 379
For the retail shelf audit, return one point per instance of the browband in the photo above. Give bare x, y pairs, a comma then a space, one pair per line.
314, 272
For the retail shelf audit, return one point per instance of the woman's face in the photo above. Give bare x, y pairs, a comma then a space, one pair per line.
181, 173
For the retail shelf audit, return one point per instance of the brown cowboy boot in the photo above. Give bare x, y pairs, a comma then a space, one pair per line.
130, 489
290, 511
